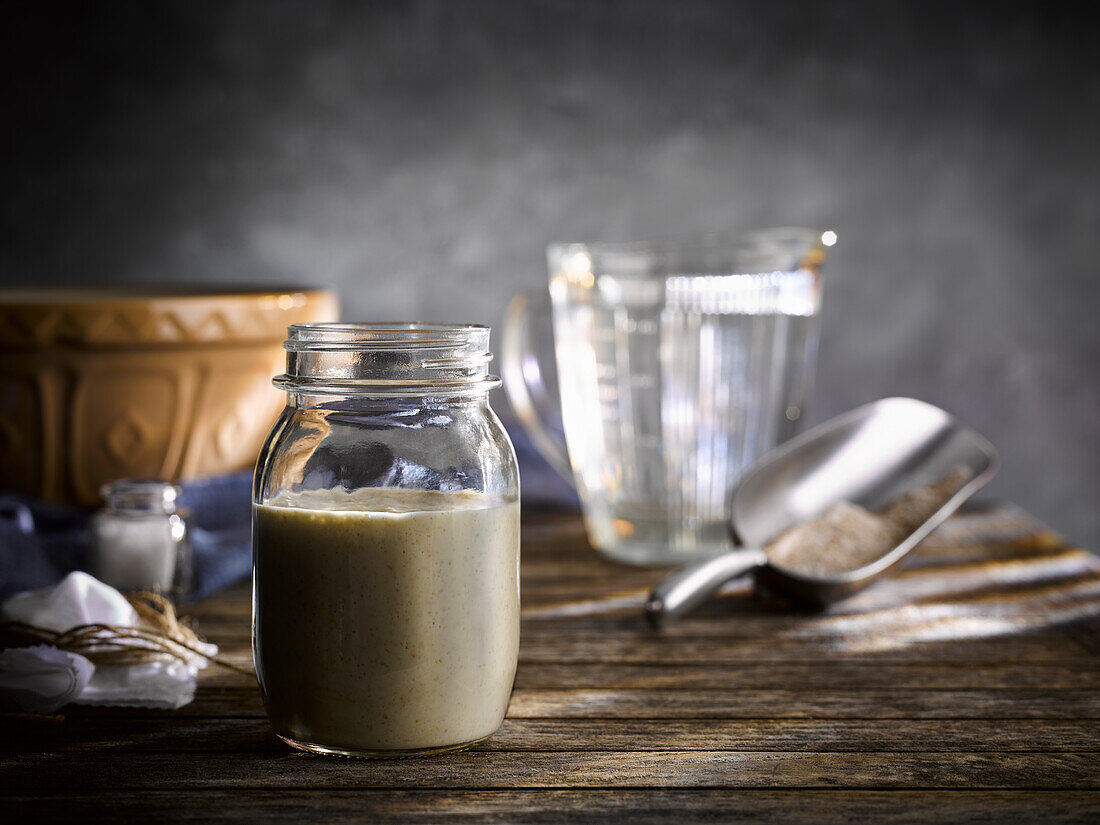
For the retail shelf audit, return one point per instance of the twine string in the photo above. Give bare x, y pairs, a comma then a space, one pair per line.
163, 635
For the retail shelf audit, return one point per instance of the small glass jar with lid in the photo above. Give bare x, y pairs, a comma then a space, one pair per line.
386, 543
140, 540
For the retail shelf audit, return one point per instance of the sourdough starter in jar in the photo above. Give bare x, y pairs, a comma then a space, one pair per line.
391, 618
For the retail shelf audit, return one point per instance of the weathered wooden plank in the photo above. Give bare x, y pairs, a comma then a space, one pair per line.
986, 523
979, 572
1053, 647
817, 735
835, 675
1036, 606
638, 807
974, 524
752, 704
667, 703
1076, 669
567, 645
631, 642
577, 564
951, 573
113, 735
905, 609
71, 772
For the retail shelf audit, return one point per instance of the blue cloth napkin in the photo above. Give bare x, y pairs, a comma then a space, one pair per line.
540, 484
40, 542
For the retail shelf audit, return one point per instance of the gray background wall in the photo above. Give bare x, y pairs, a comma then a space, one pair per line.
419, 156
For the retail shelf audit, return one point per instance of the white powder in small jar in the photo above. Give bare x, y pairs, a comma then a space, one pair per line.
136, 552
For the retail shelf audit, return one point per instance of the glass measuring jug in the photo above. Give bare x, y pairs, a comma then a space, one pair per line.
677, 363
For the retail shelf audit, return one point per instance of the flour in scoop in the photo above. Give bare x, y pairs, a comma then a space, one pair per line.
847, 537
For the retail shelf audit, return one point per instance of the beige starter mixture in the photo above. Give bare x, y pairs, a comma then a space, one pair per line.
387, 620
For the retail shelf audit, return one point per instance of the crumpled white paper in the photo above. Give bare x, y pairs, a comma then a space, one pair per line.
42, 679
38, 680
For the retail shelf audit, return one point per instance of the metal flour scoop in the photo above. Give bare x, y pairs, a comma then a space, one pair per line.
867, 457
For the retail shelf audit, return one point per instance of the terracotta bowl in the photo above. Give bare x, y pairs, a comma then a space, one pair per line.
101, 384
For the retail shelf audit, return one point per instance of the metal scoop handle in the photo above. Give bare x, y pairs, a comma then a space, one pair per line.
683, 590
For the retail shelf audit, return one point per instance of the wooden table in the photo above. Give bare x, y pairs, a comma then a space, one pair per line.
965, 689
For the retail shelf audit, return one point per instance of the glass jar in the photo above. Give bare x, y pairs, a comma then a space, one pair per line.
139, 540
386, 543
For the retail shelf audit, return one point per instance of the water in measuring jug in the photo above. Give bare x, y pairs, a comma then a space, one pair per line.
671, 385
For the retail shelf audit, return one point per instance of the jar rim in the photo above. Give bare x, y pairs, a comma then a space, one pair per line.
387, 359
317, 335
141, 494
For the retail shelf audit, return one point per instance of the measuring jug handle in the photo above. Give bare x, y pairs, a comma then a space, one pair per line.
687, 588
523, 383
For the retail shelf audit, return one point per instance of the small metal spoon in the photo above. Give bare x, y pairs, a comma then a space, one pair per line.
867, 456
